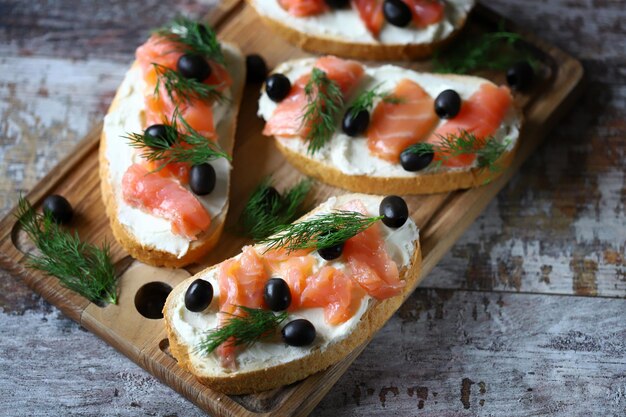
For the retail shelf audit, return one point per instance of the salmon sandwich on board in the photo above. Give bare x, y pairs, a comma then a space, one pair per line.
388, 129
298, 301
368, 29
167, 142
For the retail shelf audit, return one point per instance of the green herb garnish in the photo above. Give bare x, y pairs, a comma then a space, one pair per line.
319, 232
265, 211
324, 102
487, 150
79, 266
190, 147
245, 329
181, 89
365, 100
193, 37
495, 50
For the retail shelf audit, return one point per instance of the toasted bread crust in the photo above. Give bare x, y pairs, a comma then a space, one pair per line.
263, 379
150, 255
344, 48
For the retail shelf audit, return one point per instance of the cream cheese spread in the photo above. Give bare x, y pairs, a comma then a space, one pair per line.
190, 327
346, 25
351, 155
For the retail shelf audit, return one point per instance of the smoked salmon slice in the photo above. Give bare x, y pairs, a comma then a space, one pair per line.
480, 115
394, 126
286, 120
301, 8
371, 14
166, 198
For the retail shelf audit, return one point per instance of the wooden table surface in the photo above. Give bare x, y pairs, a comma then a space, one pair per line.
525, 316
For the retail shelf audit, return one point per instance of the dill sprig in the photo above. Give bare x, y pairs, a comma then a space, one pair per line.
193, 37
487, 150
242, 329
365, 100
324, 102
190, 147
265, 211
319, 232
79, 266
181, 89
495, 50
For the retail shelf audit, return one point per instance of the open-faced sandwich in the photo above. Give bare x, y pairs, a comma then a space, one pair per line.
387, 129
300, 300
166, 145
369, 29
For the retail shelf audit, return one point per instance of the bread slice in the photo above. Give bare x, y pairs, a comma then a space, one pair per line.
270, 364
146, 237
346, 161
341, 32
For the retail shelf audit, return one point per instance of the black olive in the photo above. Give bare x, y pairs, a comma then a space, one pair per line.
337, 4
520, 76
355, 124
412, 161
397, 13
198, 295
331, 253
202, 179
277, 295
447, 104
193, 66
59, 208
159, 131
277, 87
394, 210
299, 332
256, 69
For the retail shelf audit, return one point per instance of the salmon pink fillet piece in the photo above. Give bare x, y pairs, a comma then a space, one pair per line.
426, 12
370, 264
371, 13
241, 283
395, 126
301, 8
293, 267
164, 197
481, 114
286, 120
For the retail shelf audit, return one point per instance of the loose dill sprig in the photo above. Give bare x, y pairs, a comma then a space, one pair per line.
79, 266
319, 232
190, 147
324, 102
193, 37
184, 90
242, 329
365, 100
263, 213
495, 50
487, 150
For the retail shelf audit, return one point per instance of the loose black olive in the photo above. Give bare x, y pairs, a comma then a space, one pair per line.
397, 13
159, 131
256, 69
277, 87
198, 295
447, 104
394, 210
59, 208
355, 124
193, 66
337, 4
299, 332
412, 161
202, 179
331, 253
520, 76
277, 295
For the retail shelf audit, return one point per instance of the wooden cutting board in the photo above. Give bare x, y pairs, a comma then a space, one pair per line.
442, 217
